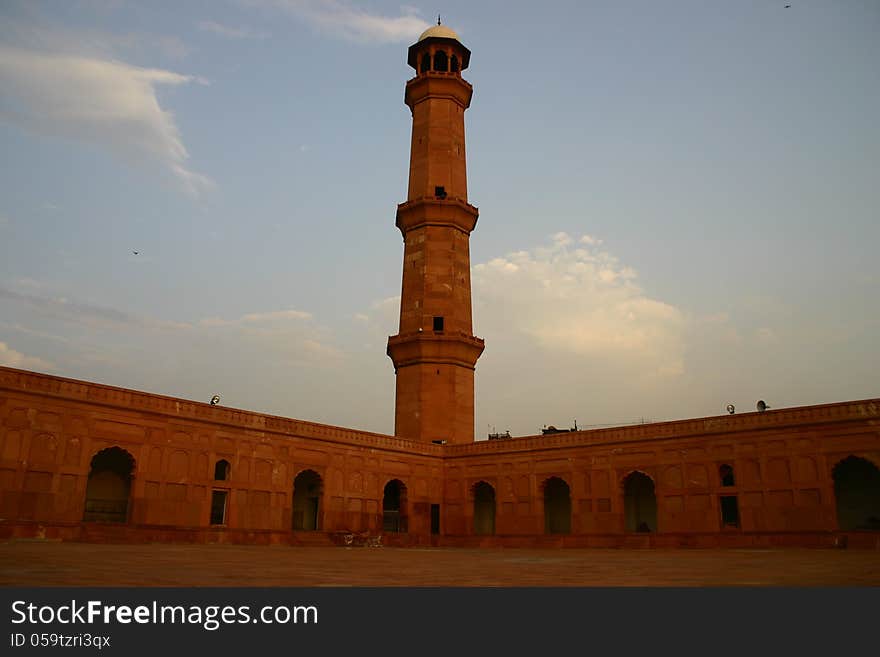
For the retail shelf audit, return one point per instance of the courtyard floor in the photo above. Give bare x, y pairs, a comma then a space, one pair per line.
49, 563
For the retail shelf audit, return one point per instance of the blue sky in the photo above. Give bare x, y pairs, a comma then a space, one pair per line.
678, 202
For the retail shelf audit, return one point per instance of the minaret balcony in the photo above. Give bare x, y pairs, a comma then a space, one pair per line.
438, 84
436, 211
448, 348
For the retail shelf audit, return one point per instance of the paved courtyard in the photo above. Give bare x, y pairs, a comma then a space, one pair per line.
47, 563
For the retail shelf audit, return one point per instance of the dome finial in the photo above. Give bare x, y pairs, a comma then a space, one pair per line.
438, 31
438, 19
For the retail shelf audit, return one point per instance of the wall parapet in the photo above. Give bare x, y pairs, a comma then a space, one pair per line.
723, 424
14, 380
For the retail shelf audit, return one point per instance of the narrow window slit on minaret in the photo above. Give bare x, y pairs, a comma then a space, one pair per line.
438, 324
440, 192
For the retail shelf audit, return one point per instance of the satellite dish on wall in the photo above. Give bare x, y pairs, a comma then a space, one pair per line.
215, 400
761, 406
731, 409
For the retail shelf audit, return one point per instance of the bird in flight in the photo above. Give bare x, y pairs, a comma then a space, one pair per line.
787, 6
135, 252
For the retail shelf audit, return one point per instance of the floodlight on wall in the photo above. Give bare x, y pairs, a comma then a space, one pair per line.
761, 406
731, 409
215, 400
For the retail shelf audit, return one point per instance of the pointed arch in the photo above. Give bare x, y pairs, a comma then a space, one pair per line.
394, 507
857, 493
557, 506
308, 490
108, 489
639, 502
484, 508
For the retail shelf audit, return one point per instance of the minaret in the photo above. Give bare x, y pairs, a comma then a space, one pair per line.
435, 351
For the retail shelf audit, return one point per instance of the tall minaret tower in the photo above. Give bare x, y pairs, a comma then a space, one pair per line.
435, 351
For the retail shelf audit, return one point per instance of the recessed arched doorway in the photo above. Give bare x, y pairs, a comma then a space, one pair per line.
109, 486
484, 509
307, 489
394, 507
557, 506
857, 494
639, 503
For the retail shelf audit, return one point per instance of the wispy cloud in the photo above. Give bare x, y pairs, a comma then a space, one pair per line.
85, 313
290, 334
381, 319
43, 335
97, 100
26, 282
256, 318
84, 336
229, 32
342, 20
12, 358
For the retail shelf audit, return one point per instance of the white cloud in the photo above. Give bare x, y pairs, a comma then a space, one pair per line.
229, 32
255, 318
561, 239
276, 314
386, 315
11, 358
96, 100
340, 19
287, 335
319, 350
581, 302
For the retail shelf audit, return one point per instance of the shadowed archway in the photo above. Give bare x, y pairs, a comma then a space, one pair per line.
109, 486
307, 489
484, 509
639, 503
857, 494
557, 506
394, 518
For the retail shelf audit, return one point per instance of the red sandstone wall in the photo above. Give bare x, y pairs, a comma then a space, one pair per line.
782, 463
51, 428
